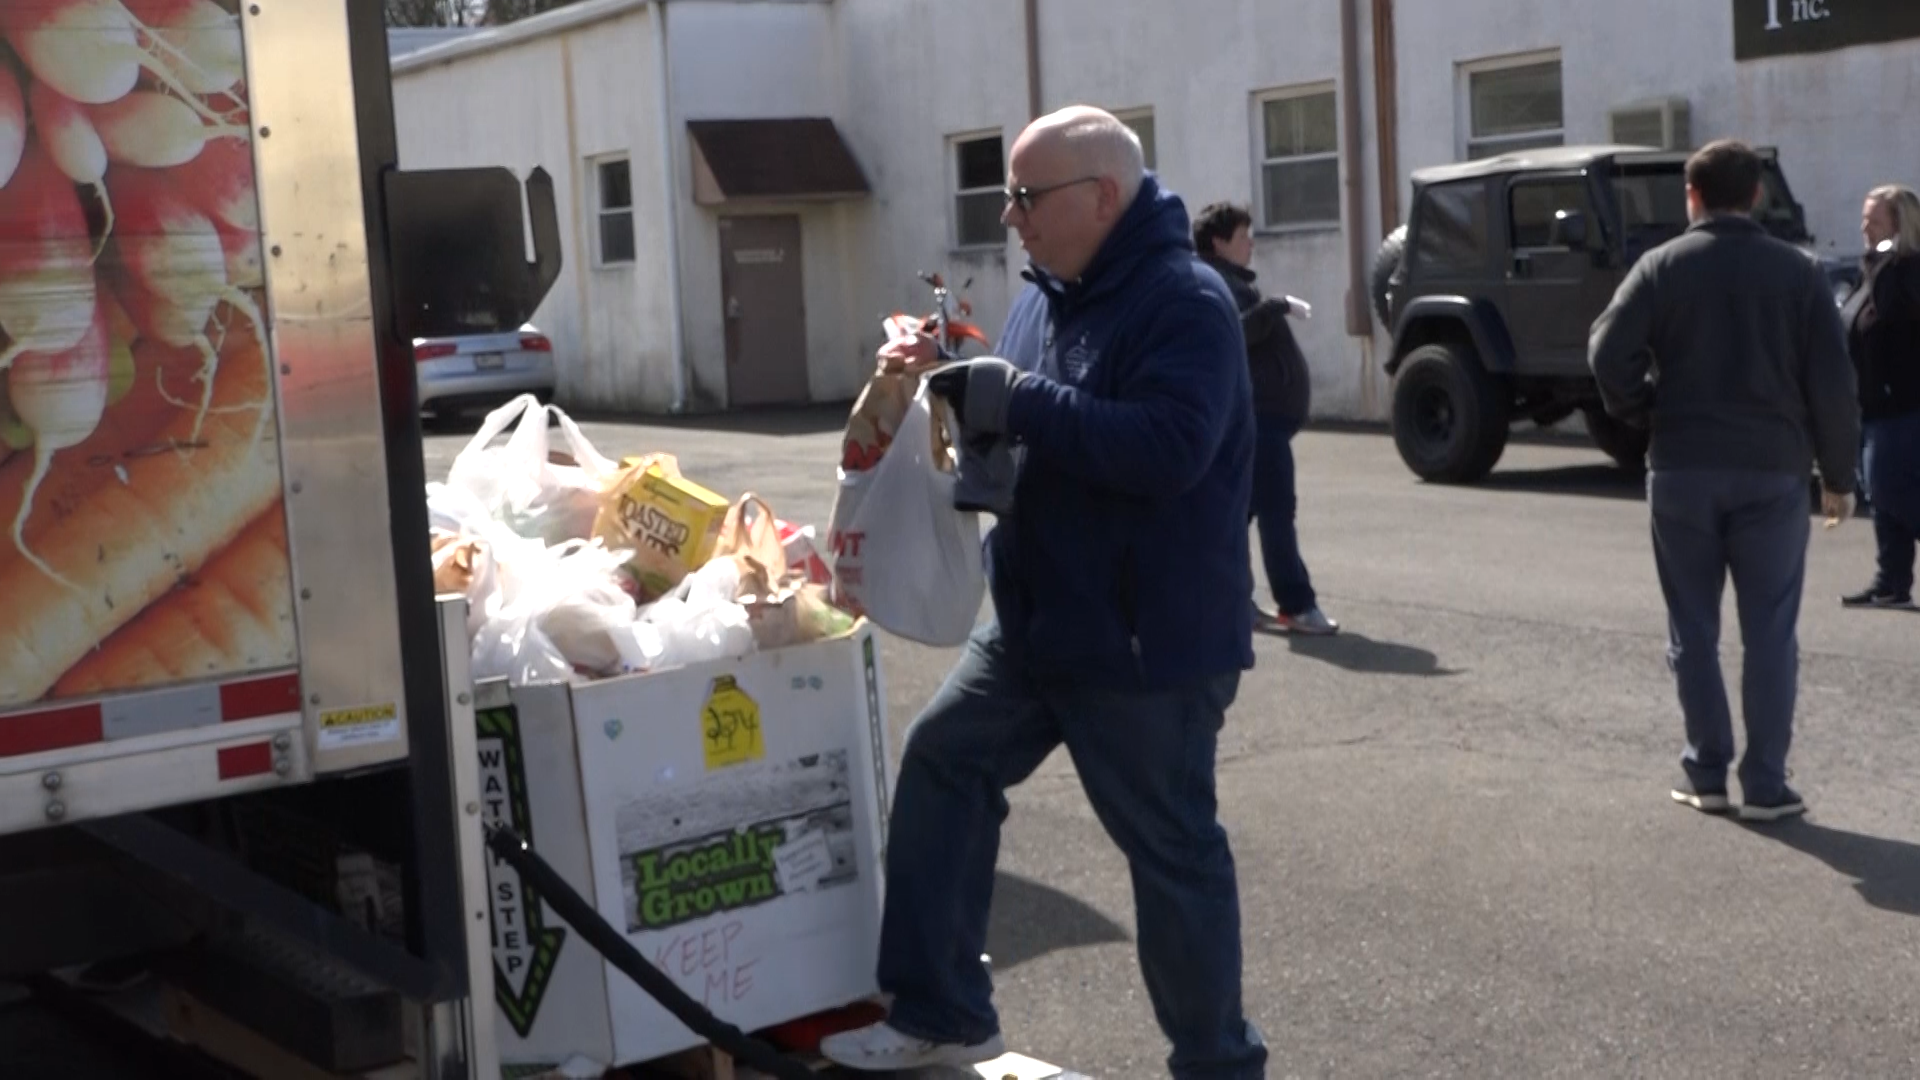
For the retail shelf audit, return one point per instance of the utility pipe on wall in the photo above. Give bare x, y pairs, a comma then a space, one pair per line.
669, 176
1386, 103
1033, 59
1359, 315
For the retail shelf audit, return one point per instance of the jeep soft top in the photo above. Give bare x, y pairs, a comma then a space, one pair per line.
1777, 210
1490, 288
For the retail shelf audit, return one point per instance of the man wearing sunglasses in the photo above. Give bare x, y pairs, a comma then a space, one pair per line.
1120, 578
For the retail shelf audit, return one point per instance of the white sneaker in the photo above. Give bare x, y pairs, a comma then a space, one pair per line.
1313, 623
882, 1048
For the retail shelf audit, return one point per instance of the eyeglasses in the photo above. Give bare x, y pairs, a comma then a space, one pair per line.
1026, 196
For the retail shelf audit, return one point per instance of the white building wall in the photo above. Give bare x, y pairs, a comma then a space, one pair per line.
900, 77
1839, 119
743, 61
1200, 80
1844, 124
1201, 70
560, 101
916, 72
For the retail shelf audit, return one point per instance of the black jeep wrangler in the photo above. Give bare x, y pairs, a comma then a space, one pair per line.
1491, 287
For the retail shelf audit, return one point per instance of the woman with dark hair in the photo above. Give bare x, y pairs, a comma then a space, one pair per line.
1883, 333
1223, 237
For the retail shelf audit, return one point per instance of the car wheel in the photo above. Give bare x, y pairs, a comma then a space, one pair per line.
1450, 418
1386, 262
1626, 445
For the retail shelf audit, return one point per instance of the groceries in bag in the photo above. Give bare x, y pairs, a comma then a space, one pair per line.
871, 431
903, 555
662, 573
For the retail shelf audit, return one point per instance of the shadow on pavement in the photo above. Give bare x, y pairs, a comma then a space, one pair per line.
1600, 480
1886, 872
1357, 652
1030, 920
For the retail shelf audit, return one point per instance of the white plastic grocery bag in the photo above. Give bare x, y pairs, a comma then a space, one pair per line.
519, 485
917, 560
539, 614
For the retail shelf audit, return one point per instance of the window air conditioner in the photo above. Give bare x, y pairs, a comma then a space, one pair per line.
1665, 123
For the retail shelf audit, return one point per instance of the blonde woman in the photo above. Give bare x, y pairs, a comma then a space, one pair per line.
1883, 333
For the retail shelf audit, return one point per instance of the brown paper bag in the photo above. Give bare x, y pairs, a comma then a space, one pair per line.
750, 533
876, 416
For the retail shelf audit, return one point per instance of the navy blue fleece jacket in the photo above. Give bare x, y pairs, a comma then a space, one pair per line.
1125, 557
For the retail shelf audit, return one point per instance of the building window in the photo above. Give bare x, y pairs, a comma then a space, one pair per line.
1300, 159
1141, 121
614, 203
1512, 104
980, 176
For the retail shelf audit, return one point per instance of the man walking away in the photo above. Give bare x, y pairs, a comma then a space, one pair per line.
1727, 341
1120, 583
1282, 395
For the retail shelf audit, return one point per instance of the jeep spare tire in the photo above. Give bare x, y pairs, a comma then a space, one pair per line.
1386, 262
1450, 418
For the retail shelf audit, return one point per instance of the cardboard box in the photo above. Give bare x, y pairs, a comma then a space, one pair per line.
728, 818
669, 522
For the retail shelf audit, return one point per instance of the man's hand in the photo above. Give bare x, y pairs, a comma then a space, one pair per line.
909, 355
979, 391
1297, 306
1838, 508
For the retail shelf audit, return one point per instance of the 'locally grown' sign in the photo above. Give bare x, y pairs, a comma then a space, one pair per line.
1763, 28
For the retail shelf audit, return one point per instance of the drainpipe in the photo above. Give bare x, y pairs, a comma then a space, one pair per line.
1033, 59
1359, 317
577, 190
1386, 101
670, 175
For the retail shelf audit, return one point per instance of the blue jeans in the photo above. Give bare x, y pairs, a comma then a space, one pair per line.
1754, 525
1274, 506
1892, 465
1146, 761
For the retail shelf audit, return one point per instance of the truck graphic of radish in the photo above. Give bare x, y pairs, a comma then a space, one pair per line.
130, 270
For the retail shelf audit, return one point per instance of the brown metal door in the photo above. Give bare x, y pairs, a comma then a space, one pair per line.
765, 309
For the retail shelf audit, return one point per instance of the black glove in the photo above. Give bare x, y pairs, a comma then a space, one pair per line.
980, 392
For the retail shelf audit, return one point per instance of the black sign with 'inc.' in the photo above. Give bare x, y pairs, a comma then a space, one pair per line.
1763, 28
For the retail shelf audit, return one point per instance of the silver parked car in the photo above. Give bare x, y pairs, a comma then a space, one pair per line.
482, 371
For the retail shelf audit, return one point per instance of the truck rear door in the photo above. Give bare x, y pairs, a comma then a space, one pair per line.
199, 581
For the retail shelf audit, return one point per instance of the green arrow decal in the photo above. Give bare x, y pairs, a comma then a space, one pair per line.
524, 950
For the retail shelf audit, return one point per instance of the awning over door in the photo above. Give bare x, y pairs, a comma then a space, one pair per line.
786, 158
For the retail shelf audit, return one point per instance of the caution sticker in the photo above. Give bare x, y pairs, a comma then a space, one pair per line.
359, 726
730, 726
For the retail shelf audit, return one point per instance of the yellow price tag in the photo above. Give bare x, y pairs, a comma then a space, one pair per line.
730, 726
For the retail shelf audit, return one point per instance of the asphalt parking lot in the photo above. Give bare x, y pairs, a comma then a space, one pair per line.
1457, 852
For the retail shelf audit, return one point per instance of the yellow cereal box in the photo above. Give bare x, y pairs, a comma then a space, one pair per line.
669, 523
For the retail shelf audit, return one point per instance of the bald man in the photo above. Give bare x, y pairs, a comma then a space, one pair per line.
1120, 581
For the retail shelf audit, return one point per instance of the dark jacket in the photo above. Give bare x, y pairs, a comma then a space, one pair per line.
1282, 385
1883, 334
1125, 559
1728, 341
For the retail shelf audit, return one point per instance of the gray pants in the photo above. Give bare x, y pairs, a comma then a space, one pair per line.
1754, 525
